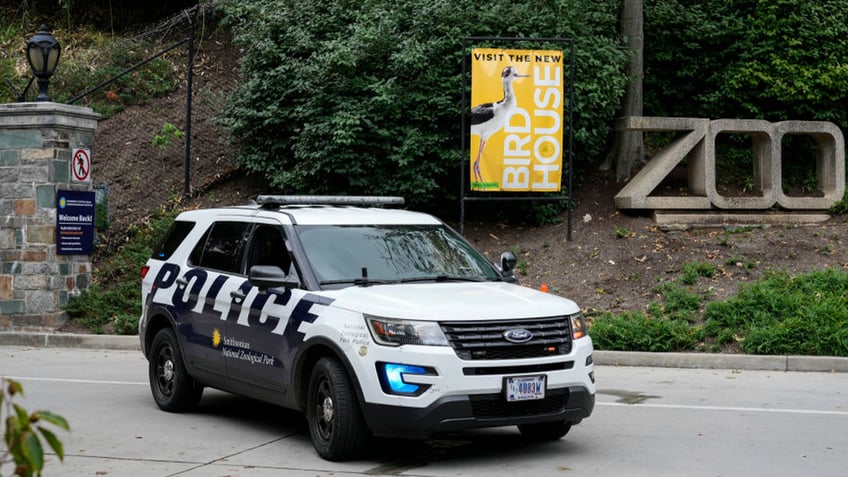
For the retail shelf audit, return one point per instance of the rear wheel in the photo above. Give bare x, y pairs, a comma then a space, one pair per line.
336, 425
545, 431
173, 389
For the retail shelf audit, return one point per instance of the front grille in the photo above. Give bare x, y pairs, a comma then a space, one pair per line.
494, 406
501, 370
485, 340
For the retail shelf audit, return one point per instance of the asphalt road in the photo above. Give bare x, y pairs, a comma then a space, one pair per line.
648, 421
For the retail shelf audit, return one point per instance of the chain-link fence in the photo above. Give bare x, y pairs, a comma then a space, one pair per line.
154, 151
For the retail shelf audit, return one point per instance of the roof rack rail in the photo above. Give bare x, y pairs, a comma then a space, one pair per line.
371, 200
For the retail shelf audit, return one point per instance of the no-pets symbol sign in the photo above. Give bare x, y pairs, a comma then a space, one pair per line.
81, 165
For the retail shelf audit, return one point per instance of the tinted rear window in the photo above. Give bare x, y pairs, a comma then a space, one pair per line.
172, 239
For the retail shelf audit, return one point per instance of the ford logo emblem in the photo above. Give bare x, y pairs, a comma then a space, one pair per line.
518, 335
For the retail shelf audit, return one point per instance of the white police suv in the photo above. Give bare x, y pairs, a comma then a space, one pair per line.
374, 321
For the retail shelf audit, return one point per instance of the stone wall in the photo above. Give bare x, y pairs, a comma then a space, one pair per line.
36, 140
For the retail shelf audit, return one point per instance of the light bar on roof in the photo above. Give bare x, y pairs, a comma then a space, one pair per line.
328, 200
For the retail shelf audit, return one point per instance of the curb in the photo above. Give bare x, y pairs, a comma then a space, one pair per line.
821, 364
70, 340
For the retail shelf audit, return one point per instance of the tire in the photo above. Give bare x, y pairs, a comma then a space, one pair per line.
173, 389
545, 431
336, 426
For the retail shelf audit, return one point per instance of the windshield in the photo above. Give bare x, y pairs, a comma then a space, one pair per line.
338, 254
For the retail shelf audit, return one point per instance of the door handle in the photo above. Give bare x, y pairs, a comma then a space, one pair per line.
237, 297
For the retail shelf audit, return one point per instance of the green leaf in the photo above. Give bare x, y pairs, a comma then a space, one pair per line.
53, 441
32, 451
23, 415
52, 418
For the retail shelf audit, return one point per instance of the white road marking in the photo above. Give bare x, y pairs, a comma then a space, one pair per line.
728, 408
77, 381
609, 404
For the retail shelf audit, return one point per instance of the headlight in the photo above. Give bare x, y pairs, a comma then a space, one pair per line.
578, 326
393, 332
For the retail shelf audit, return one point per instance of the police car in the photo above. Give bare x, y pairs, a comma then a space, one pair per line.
372, 320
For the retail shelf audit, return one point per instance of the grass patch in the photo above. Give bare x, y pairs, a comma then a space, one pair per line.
692, 271
621, 232
779, 314
678, 302
745, 264
636, 331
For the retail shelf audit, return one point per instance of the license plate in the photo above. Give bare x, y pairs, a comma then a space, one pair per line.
525, 388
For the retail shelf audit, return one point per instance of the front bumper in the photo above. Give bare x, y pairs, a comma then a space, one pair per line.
455, 413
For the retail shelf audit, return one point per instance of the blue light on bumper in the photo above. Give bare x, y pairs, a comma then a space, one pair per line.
392, 378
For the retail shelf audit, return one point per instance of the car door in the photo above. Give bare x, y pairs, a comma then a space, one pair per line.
204, 294
254, 335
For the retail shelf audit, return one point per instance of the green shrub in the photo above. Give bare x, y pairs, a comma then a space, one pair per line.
773, 60
366, 97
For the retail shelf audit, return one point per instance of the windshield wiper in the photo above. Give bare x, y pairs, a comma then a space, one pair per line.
442, 278
362, 281
357, 281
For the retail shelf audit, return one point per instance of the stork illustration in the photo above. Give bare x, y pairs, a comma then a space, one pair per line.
489, 118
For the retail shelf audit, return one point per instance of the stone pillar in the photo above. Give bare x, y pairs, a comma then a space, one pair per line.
36, 140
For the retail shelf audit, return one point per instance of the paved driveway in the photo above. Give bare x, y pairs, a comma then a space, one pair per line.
648, 421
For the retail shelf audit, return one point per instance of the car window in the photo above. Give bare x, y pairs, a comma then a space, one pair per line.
268, 247
390, 252
172, 239
223, 247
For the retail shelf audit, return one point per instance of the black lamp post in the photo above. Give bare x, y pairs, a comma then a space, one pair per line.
42, 52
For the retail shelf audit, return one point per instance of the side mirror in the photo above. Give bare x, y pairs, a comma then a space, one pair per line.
507, 264
270, 276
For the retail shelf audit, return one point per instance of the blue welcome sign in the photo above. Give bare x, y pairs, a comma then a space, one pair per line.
74, 222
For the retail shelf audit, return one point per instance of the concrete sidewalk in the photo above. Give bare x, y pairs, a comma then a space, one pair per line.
825, 364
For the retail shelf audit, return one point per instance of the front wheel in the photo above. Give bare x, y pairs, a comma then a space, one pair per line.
336, 425
545, 431
173, 389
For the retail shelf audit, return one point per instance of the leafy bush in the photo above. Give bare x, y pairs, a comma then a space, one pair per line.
764, 59
365, 97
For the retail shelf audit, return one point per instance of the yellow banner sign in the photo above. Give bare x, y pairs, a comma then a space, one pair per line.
516, 120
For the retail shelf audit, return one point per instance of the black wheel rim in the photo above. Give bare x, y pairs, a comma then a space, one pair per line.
324, 409
165, 370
